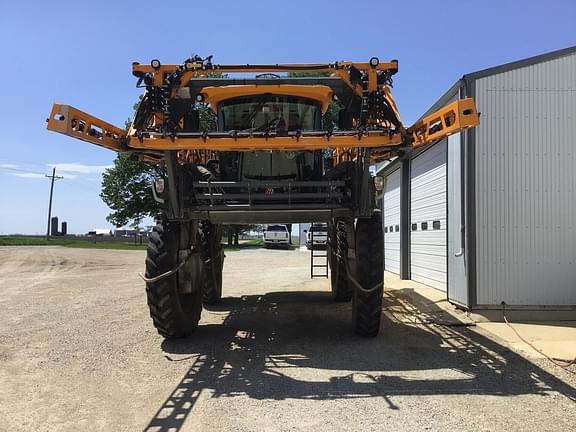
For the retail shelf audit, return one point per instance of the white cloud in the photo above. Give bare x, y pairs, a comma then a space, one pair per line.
27, 175
67, 170
78, 168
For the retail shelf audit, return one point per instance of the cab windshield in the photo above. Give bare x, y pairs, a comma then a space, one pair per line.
269, 112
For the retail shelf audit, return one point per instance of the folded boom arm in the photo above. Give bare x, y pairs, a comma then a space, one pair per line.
377, 125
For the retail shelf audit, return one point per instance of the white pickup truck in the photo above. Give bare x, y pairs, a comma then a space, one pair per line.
276, 235
319, 231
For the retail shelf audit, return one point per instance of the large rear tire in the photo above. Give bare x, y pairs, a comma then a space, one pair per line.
174, 301
338, 255
212, 256
369, 274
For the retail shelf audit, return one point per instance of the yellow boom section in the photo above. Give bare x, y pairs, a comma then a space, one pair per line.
456, 116
75, 123
320, 93
376, 123
452, 118
191, 70
292, 142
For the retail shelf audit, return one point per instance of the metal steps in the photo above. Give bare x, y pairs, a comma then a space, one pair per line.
318, 259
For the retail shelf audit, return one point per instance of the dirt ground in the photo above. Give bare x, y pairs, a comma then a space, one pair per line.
78, 352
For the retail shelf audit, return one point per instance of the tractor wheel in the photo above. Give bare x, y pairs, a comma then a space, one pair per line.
369, 275
175, 301
212, 257
337, 255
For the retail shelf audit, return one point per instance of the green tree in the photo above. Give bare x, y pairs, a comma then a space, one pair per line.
126, 187
208, 120
330, 117
232, 233
126, 190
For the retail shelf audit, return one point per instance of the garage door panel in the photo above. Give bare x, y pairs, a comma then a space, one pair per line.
431, 278
432, 184
436, 235
432, 196
429, 249
433, 161
434, 176
392, 263
428, 261
391, 221
428, 212
428, 257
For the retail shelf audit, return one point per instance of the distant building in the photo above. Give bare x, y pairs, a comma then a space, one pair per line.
100, 232
123, 232
64, 230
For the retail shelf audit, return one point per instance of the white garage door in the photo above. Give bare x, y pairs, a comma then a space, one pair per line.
428, 261
392, 223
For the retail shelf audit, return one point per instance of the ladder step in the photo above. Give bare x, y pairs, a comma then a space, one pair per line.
316, 258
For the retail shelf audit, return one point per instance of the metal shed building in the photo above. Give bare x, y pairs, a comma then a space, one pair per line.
489, 215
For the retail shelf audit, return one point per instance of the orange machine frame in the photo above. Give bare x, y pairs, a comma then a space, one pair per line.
319, 93
384, 141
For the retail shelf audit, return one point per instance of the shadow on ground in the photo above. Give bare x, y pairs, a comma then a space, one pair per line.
266, 340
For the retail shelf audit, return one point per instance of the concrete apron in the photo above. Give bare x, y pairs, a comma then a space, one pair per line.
556, 339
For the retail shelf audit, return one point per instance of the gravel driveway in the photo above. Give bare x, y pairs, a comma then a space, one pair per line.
78, 352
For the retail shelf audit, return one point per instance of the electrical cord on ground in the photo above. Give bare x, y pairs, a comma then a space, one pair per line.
563, 363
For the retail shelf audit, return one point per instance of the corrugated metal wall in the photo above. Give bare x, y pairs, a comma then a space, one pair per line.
526, 185
457, 271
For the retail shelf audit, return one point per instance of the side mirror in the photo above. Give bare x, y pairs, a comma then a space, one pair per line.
305, 231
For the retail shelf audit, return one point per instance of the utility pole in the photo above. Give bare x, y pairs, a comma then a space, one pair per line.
53, 177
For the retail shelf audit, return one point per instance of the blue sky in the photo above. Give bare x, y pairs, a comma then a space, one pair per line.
80, 53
